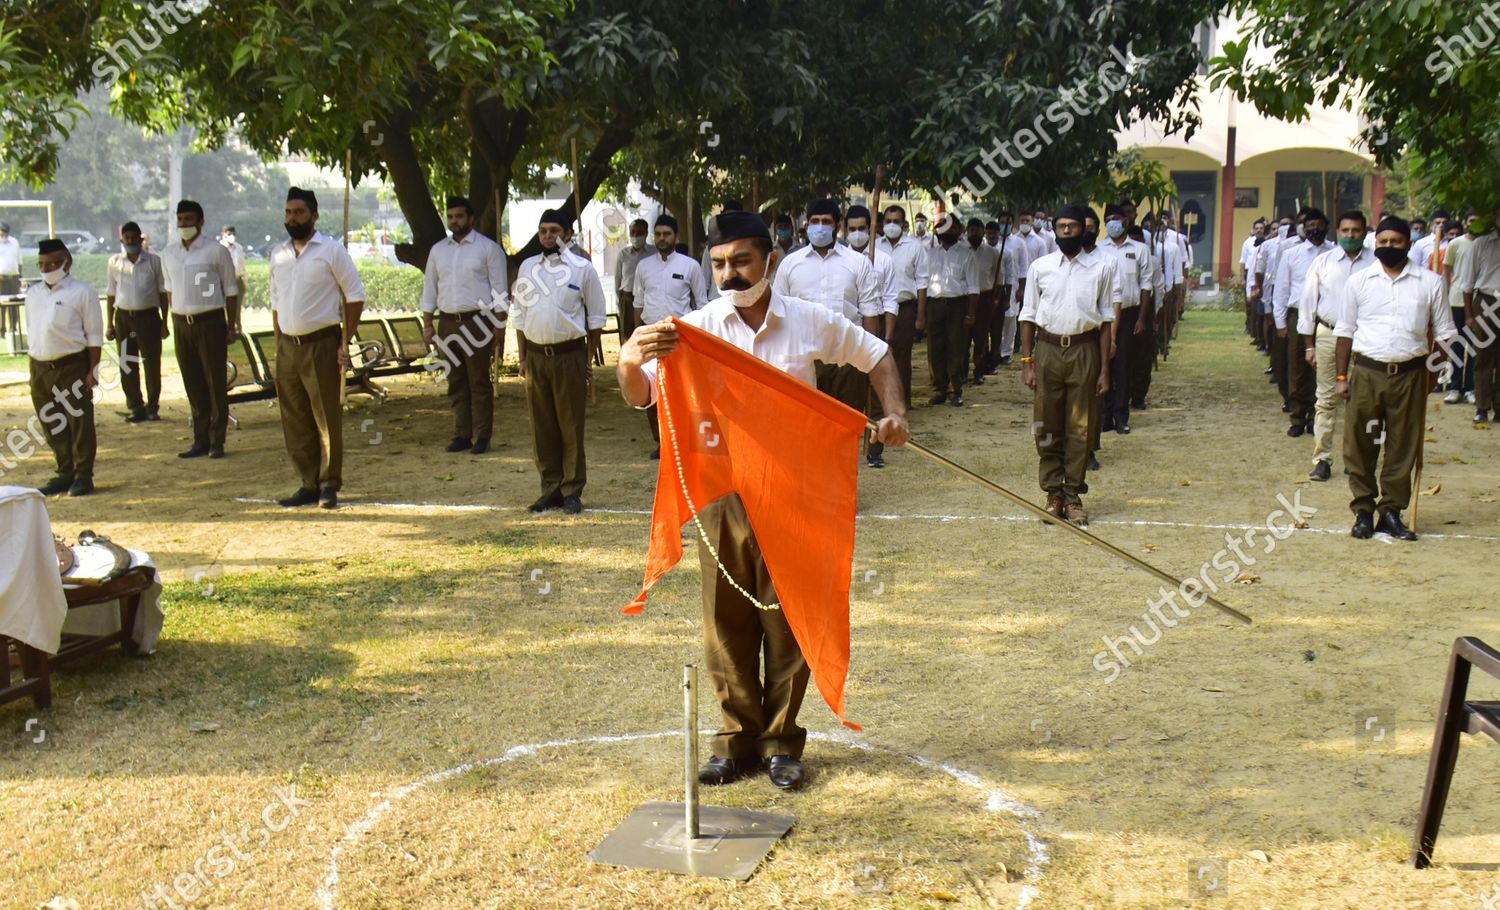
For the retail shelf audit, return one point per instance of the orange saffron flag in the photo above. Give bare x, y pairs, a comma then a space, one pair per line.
739, 425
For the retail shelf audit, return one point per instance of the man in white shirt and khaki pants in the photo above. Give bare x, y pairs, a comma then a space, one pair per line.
66, 336
1065, 325
314, 287
1389, 310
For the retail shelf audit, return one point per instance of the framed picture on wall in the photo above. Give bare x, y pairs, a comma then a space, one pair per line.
1247, 197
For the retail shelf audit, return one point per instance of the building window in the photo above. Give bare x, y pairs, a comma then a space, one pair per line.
1331, 191
1203, 37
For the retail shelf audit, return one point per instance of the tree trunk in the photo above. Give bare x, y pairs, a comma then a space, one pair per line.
409, 179
592, 172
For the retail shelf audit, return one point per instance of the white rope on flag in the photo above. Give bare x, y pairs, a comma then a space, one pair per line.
666, 413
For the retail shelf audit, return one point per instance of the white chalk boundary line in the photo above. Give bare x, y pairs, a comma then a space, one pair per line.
1142, 523
1038, 854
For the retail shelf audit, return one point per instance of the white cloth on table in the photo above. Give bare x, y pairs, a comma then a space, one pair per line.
104, 618
32, 604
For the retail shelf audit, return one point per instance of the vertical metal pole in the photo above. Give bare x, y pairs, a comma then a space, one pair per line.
690, 748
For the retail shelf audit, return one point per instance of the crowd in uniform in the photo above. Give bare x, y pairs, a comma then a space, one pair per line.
1369, 322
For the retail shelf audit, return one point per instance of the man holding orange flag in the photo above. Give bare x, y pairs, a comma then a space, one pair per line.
742, 615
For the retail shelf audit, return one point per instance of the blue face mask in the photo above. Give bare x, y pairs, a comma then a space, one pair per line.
1115, 229
1004, 230
134, 249
820, 235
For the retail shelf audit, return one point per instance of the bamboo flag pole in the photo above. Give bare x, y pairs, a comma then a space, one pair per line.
593, 356
347, 329
1048, 517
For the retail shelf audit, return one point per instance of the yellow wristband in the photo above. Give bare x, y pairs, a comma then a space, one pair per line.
1028, 360
1341, 378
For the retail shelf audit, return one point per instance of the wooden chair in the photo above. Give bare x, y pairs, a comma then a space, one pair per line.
36, 666
1456, 716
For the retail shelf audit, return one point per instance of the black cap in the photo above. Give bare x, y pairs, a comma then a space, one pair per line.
552, 216
729, 226
665, 220
1073, 212
1392, 223
51, 245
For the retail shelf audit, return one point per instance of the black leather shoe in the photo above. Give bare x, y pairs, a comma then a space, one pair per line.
481, 445
215, 451
978, 379
656, 454
1093, 462
55, 486
194, 452
1295, 430
459, 444
137, 416
572, 505
1390, 523
83, 486
1122, 428
720, 771
957, 400
1107, 424
1364, 526
1321, 471
545, 503
939, 398
1139, 405
328, 499
1307, 428
875, 460
1481, 417
153, 414
1286, 406
303, 497
786, 772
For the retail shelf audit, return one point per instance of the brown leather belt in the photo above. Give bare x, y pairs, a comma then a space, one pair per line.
328, 331
206, 316
1067, 341
1390, 369
562, 347
63, 360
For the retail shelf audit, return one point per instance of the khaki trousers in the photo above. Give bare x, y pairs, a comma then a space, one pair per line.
1486, 334
1301, 386
625, 315
760, 712
203, 359
1066, 379
557, 397
309, 387
902, 342
468, 343
66, 411
138, 335
1385, 413
947, 343
1326, 411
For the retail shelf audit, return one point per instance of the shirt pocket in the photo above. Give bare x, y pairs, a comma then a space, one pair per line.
1414, 319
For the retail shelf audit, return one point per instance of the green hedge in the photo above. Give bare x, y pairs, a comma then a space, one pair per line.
387, 287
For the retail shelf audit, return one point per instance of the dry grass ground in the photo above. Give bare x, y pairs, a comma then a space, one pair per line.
358, 652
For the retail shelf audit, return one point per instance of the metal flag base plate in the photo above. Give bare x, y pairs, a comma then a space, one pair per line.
730, 843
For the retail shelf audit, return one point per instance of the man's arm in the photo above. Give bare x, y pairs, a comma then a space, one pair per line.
648, 343
893, 429
428, 304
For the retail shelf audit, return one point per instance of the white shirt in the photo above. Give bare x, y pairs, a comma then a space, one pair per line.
557, 299
62, 320
1111, 268
885, 279
1291, 269
843, 280
199, 276
1068, 296
1010, 261
668, 287
1389, 318
10, 256
1247, 256
308, 290
1048, 238
135, 286
908, 265
1265, 256
1323, 288
236, 255
1132, 267
953, 272
1172, 255
1421, 251
1453, 261
796, 335
465, 276
625, 265
987, 260
1480, 270
1036, 247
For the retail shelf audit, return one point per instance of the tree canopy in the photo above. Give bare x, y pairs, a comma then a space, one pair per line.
762, 99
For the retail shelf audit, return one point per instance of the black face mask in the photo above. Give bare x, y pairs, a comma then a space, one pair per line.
1090, 238
1070, 245
1317, 237
1259, 241
298, 231
974, 242
1391, 256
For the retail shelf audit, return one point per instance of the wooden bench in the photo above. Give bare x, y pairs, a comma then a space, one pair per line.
1455, 717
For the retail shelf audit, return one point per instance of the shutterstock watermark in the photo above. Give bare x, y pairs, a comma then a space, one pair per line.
51, 418
165, 18
1191, 590
1031, 141
477, 334
1454, 51
222, 859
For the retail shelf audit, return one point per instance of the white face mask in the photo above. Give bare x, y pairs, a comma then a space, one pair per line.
638, 241
892, 231
858, 239
749, 295
1025, 228
187, 233
54, 277
921, 229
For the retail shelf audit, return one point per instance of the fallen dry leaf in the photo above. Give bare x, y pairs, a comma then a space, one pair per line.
1436, 489
940, 895
1245, 578
1187, 483
1428, 439
1260, 855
